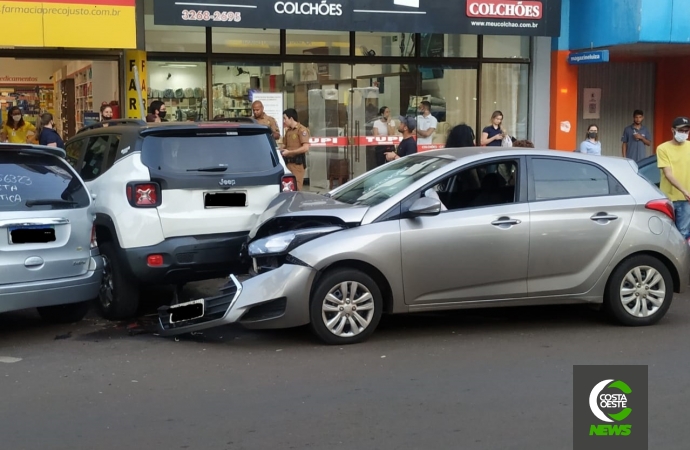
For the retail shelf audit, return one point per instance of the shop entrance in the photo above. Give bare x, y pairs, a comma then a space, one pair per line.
72, 91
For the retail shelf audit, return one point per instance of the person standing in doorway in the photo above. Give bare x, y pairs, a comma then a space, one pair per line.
492, 136
383, 126
673, 159
636, 138
408, 146
426, 124
157, 112
16, 130
591, 144
106, 112
264, 119
295, 145
46, 132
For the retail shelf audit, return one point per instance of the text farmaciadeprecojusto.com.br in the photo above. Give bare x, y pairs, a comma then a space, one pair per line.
60, 11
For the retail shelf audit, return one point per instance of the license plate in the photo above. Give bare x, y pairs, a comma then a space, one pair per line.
32, 235
225, 199
186, 311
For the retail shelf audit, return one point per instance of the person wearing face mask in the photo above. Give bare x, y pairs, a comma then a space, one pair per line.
673, 159
591, 144
157, 112
106, 113
16, 130
47, 134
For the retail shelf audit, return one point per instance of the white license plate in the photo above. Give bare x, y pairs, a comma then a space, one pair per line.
187, 311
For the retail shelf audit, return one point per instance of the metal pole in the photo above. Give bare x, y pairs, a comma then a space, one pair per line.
142, 105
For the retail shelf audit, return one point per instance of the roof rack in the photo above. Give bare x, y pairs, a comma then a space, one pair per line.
32, 148
235, 119
137, 122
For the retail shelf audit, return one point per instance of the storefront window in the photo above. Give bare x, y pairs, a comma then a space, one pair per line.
384, 44
239, 40
448, 45
506, 46
505, 89
235, 84
181, 85
170, 38
317, 42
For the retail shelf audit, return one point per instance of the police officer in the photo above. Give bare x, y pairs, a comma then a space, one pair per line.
295, 145
264, 119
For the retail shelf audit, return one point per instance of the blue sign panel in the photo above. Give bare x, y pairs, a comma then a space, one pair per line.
593, 57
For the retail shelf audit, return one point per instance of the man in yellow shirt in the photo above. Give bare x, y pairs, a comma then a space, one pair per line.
673, 159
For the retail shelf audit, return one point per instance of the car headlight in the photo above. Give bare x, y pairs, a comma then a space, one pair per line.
284, 242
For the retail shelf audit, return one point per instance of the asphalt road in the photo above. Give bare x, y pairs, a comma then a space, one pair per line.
490, 379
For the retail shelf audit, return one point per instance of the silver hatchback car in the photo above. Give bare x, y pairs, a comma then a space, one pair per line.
454, 229
48, 254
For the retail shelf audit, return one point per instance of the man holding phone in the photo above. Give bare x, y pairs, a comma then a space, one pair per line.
636, 138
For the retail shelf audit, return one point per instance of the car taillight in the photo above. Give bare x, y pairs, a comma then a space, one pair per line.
289, 183
154, 260
94, 243
144, 195
663, 206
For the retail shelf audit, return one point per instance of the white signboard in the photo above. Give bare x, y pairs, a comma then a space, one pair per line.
591, 103
273, 105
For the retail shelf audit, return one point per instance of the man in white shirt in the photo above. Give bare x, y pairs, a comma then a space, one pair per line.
426, 124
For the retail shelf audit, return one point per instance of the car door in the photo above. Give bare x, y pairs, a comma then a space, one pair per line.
579, 214
477, 249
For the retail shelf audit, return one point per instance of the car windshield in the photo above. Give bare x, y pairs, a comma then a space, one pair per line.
38, 182
381, 184
236, 153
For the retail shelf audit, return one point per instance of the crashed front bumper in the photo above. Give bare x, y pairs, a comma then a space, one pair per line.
275, 299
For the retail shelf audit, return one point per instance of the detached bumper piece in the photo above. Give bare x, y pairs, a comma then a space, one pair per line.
188, 316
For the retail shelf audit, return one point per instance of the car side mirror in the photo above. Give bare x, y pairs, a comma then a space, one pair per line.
425, 206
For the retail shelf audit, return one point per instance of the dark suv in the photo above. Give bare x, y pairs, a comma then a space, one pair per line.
174, 202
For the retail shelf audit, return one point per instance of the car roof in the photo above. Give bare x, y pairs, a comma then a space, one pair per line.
31, 148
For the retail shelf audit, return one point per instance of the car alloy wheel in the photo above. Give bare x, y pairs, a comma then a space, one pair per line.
642, 291
348, 309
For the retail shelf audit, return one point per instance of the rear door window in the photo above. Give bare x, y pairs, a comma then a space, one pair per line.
222, 152
95, 156
560, 179
30, 182
73, 149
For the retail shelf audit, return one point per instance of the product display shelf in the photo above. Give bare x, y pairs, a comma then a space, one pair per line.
83, 80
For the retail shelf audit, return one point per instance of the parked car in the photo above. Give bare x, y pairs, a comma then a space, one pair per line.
48, 254
174, 201
456, 229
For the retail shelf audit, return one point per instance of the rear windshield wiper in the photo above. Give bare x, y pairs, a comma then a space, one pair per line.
49, 201
209, 169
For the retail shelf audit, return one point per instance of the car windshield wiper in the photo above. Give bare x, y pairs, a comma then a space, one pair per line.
49, 201
209, 169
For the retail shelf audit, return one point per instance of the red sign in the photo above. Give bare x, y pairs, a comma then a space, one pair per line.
366, 141
505, 9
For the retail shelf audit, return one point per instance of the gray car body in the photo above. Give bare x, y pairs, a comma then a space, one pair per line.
63, 272
556, 255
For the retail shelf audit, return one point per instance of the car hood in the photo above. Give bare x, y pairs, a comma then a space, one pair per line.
291, 210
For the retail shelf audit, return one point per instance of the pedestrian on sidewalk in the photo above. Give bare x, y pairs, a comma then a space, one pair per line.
591, 144
636, 138
673, 158
408, 145
295, 145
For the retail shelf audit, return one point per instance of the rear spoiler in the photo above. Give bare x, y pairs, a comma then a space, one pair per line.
30, 148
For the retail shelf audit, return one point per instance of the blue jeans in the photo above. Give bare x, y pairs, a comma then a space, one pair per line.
682, 210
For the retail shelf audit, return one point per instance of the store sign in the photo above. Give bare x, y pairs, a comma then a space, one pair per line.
593, 57
133, 108
509, 17
69, 23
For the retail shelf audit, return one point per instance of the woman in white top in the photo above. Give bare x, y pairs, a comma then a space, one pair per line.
383, 126
591, 145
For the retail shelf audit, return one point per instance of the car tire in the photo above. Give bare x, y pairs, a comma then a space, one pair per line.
118, 298
639, 291
70, 313
358, 314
